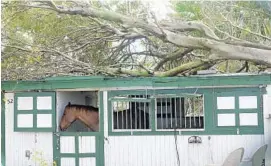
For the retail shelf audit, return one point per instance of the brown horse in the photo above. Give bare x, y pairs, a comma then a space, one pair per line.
87, 114
126, 119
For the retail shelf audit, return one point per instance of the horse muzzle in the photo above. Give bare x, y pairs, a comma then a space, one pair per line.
62, 129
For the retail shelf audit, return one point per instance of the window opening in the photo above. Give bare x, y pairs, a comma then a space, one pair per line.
131, 112
179, 112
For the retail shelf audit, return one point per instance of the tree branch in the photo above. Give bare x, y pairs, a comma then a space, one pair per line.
178, 54
190, 26
222, 49
245, 66
182, 68
254, 33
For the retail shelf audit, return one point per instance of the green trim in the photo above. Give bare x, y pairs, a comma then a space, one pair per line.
242, 129
76, 144
175, 95
109, 82
78, 155
155, 93
100, 139
3, 131
210, 112
56, 148
130, 99
34, 112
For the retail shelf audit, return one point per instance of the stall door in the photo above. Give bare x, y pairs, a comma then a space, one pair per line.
80, 148
77, 149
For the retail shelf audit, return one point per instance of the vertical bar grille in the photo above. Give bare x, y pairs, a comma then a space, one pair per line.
130, 113
180, 113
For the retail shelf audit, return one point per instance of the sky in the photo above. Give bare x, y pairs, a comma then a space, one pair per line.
160, 7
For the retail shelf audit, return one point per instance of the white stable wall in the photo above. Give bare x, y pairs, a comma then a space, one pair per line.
161, 150
18, 142
267, 124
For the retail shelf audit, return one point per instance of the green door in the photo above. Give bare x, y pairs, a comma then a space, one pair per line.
80, 148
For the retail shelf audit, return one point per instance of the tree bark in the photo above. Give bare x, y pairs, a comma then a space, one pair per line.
223, 50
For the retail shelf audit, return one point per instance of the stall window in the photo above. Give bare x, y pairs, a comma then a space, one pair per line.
34, 111
130, 112
179, 112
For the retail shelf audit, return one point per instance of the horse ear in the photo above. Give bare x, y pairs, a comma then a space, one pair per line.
69, 104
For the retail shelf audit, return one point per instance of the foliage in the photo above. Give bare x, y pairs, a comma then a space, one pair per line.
94, 40
39, 159
34, 30
237, 19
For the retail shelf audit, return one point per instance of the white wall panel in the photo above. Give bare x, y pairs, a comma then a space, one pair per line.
44, 144
226, 120
25, 120
267, 123
67, 144
248, 119
161, 150
225, 102
25, 103
67, 161
87, 161
17, 143
247, 102
44, 120
44, 103
87, 144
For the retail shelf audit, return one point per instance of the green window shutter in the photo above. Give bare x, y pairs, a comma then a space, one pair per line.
239, 111
34, 111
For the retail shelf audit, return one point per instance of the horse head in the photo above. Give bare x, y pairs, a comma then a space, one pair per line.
68, 117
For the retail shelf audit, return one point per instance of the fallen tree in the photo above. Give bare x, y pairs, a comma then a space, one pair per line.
191, 45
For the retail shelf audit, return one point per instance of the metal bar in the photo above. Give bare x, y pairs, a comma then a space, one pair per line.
166, 114
113, 116
153, 115
176, 124
122, 116
117, 115
161, 115
200, 112
140, 115
144, 123
130, 99
126, 116
190, 117
185, 113
131, 122
136, 120
170, 112
181, 110
194, 111
175, 95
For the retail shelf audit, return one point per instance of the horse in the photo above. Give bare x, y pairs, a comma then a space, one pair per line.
89, 115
